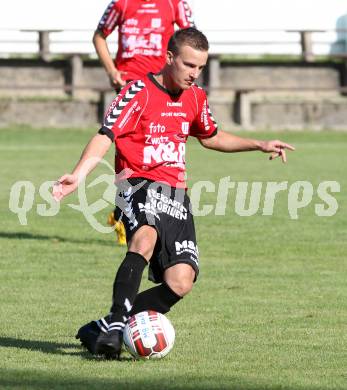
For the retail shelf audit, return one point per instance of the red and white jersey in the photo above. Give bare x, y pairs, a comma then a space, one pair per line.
150, 128
144, 30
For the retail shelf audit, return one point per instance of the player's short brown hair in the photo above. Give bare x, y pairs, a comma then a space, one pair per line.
190, 37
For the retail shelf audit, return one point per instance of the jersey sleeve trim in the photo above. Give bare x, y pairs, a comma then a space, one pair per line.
106, 131
109, 19
204, 125
188, 13
122, 101
213, 134
185, 18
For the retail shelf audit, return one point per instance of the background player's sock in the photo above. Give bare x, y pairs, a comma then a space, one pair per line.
160, 298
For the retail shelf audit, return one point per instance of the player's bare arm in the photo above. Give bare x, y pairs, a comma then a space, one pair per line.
101, 48
91, 155
229, 143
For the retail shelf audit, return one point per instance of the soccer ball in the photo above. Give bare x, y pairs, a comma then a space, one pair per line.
149, 335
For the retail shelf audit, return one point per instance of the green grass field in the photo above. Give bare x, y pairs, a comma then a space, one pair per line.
269, 310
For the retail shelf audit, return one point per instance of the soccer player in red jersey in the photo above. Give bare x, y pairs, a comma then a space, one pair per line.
144, 29
149, 122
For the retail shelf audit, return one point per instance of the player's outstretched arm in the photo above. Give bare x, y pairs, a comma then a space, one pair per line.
229, 143
92, 154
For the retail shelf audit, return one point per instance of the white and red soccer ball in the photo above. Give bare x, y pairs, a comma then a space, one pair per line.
149, 335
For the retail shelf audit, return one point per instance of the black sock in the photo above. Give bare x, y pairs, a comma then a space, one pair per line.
160, 298
125, 288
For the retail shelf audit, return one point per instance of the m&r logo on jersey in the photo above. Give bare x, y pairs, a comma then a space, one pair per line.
185, 128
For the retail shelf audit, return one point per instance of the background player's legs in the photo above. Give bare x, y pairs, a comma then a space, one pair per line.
114, 219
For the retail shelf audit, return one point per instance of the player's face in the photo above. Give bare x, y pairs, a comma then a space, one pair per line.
186, 66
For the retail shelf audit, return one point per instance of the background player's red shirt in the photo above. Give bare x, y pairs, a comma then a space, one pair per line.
150, 128
144, 30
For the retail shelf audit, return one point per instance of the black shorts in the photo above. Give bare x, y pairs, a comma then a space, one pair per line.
143, 202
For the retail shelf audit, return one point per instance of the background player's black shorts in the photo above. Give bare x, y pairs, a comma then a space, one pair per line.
145, 202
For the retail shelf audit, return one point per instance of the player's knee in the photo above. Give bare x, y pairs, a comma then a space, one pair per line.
145, 249
180, 278
181, 287
143, 242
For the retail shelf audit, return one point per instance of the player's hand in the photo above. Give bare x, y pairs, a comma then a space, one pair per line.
64, 186
277, 149
116, 79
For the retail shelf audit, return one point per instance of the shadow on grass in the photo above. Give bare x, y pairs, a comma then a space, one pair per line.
54, 239
121, 375
26, 379
43, 346
67, 349
121, 380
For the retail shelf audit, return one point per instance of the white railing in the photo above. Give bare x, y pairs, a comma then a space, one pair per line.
307, 43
